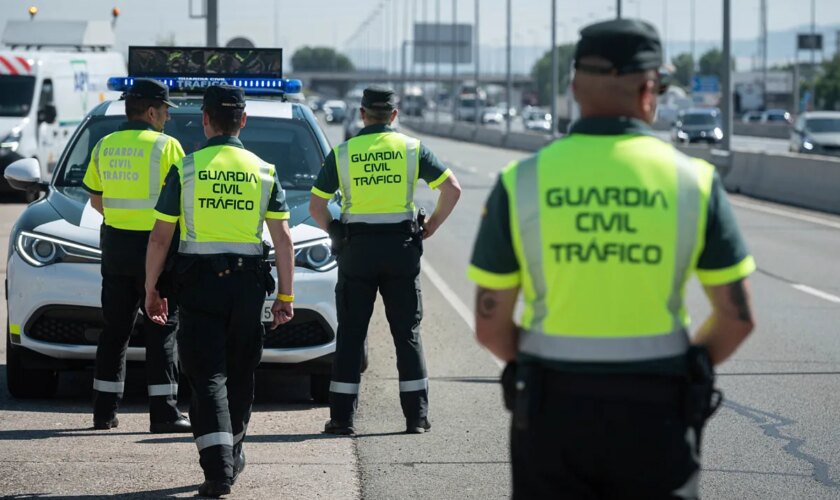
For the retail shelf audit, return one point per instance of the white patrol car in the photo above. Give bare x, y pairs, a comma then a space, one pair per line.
53, 282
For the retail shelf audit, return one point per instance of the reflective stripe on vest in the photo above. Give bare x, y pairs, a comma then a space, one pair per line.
574, 346
387, 212
154, 180
192, 242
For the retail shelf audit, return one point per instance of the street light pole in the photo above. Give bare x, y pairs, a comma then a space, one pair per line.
555, 68
813, 56
509, 90
726, 83
437, 61
618, 9
479, 111
454, 55
212, 23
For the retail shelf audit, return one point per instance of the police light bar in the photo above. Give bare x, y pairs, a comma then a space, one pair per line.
251, 86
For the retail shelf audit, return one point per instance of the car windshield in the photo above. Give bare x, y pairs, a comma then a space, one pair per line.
16, 95
821, 125
699, 119
288, 144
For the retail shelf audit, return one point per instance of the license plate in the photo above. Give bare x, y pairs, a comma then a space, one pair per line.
267, 317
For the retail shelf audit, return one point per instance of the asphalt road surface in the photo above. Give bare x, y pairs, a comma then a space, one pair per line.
775, 438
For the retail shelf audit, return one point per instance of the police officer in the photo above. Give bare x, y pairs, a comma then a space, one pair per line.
376, 173
601, 230
124, 177
221, 278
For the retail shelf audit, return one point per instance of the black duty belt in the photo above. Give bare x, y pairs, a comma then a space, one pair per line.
226, 263
356, 228
652, 388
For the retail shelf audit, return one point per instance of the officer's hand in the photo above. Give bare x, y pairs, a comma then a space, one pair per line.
157, 308
283, 313
429, 229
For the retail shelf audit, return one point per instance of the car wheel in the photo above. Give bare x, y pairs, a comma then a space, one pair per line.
27, 383
319, 387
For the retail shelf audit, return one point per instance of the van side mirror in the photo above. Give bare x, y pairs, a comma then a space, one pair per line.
24, 174
47, 114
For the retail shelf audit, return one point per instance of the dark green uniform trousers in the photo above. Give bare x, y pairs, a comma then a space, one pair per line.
220, 344
592, 437
123, 294
390, 263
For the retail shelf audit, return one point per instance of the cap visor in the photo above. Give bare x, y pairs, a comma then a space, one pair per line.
170, 104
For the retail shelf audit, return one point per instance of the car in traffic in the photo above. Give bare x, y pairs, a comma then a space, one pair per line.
776, 116
53, 279
493, 115
697, 125
751, 117
353, 124
536, 119
335, 111
816, 132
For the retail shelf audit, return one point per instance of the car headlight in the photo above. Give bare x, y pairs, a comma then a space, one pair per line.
718, 133
12, 141
41, 250
808, 144
315, 255
682, 135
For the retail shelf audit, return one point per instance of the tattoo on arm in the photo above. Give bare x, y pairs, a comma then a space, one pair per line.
738, 294
486, 303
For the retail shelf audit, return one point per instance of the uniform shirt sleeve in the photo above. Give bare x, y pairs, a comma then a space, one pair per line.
432, 170
91, 182
725, 258
277, 206
327, 182
172, 153
494, 264
168, 207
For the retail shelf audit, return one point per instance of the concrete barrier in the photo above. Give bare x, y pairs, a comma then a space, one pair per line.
524, 141
769, 130
489, 137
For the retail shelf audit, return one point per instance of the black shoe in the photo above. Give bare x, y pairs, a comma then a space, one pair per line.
417, 425
214, 488
181, 425
238, 465
339, 428
108, 423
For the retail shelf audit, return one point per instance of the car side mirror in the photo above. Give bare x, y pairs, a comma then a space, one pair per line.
24, 174
47, 114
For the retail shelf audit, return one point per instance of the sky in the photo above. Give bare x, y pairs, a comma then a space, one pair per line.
332, 23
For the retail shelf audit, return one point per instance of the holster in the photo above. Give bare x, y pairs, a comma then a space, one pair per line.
268, 280
702, 399
338, 236
417, 230
522, 396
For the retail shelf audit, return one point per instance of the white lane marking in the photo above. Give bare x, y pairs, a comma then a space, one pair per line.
785, 213
817, 293
463, 311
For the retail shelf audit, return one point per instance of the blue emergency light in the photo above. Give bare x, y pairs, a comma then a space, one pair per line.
191, 84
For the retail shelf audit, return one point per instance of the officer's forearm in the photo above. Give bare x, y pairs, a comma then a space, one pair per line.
96, 203
284, 257
159, 241
450, 192
319, 211
494, 326
729, 324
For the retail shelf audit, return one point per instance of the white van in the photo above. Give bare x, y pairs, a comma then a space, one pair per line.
51, 75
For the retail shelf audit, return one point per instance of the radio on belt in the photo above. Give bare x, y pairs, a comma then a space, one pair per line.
192, 69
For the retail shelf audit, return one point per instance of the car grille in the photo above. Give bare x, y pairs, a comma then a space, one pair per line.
307, 329
77, 326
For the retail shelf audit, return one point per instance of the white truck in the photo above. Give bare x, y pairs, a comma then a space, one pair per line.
51, 74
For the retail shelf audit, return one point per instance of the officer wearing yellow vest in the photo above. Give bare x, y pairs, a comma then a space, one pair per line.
124, 178
377, 172
222, 278
600, 231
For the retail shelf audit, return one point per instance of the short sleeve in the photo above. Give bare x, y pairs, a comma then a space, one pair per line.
494, 264
432, 169
277, 206
327, 182
724, 258
92, 182
168, 207
172, 154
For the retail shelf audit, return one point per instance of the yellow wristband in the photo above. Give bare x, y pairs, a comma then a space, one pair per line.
285, 298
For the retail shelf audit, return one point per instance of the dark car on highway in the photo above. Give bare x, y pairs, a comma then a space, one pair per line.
697, 126
817, 132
